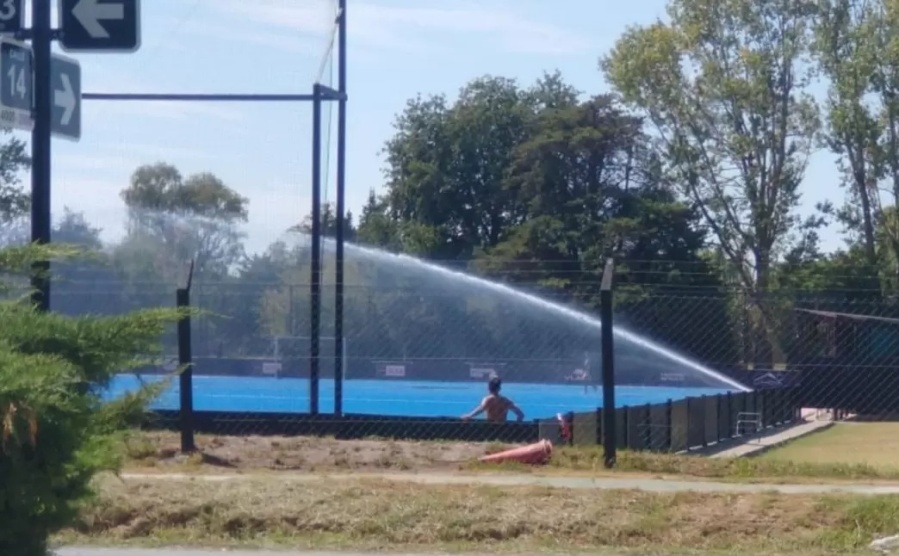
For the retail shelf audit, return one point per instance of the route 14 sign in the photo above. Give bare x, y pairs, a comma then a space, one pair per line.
16, 84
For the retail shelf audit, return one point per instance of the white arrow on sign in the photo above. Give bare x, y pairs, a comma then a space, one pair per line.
65, 98
90, 13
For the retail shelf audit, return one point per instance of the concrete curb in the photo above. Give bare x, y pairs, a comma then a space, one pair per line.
777, 444
758, 443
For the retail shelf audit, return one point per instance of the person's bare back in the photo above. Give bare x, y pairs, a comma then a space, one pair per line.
495, 405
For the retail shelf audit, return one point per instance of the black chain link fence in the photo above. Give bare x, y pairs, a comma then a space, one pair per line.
418, 354
417, 358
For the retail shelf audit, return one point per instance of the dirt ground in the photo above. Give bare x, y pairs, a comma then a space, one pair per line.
160, 453
147, 451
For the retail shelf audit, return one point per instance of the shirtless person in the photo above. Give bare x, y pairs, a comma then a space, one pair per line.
588, 376
497, 406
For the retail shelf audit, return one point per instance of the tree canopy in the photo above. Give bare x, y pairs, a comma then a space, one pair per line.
688, 171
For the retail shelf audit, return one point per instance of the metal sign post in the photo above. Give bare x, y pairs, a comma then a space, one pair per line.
41, 91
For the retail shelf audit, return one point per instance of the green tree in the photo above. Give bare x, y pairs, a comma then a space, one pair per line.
591, 188
90, 284
13, 160
56, 431
328, 224
446, 163
74, 229
881, 23
846, 51
843, 275
376, 227
14, 200
533, 186
178, 219
171, 220
724, 85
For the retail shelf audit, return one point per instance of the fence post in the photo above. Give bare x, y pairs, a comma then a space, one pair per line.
185, 363
669, 425
719, 408
339, 363
610, 442
315, 269
730, 414
703, 410
647, 434
689, 402
291, 314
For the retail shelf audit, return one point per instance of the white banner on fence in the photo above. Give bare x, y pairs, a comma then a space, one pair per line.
482, 372
271, 368
396, 371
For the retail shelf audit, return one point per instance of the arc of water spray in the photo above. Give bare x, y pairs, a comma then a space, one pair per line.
536, 301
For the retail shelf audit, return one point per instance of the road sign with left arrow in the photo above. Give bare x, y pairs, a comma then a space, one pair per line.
99, 25
65, 80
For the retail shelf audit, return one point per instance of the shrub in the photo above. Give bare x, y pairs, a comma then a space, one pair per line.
56, 432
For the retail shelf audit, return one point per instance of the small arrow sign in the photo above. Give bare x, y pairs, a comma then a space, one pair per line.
65, 98
90, 13
65, 78
99, 25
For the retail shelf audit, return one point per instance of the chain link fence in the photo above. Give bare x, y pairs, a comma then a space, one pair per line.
839, 349
695, 367
418, 357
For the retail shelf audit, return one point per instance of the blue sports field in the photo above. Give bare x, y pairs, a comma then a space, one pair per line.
393, 397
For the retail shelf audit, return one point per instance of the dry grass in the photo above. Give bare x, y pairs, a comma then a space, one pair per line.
158, 452
759, 469
380, 515
874, 445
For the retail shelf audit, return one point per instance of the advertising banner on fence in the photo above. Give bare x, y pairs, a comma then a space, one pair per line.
271, 368
391, 370
480, 370
675, 378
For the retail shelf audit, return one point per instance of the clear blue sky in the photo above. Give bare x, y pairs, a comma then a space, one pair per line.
397, 48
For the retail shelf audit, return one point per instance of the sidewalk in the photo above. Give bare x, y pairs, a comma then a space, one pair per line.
764, 442
73, 551
598, 483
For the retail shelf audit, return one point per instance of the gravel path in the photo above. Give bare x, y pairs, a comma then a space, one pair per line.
609, 483
192, 552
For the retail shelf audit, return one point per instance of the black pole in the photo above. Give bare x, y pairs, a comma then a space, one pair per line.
40, 147
610, 442
185, 362
315, 285
339, 363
